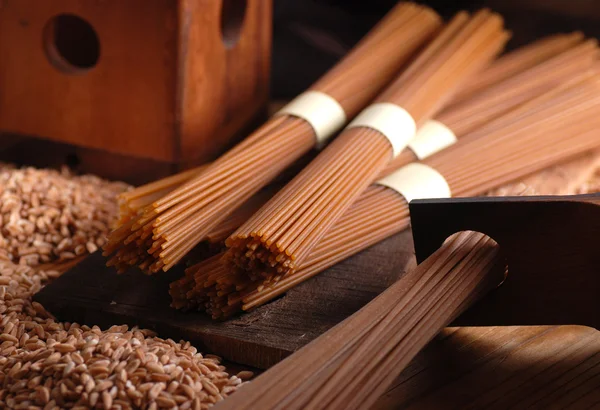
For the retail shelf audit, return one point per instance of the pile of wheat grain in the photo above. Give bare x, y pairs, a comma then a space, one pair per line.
46, 364
47, 215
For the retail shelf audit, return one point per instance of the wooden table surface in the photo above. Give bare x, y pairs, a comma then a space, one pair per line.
538, 367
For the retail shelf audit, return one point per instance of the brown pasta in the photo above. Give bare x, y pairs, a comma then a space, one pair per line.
519, 60
557, 58
560, 127
132, 201
164, 231
240, 215
510, 98
351, 365
280, 236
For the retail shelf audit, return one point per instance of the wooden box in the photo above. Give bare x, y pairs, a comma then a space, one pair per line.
170, 81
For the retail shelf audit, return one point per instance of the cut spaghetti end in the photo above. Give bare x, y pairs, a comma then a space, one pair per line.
258, 260
212, 287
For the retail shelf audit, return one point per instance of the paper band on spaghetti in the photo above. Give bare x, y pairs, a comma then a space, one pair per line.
394, 122
324, 114
431, 138
417, 181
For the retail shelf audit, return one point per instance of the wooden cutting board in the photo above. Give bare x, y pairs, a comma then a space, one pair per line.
92, 294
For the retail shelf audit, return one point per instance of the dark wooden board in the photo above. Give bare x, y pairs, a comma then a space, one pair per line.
537, 367
93, 294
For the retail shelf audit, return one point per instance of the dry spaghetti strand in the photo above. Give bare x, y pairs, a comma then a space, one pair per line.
562, 125
557, 61
520, 90
162, 233
474, 165
132, 201
519, 60
279, 238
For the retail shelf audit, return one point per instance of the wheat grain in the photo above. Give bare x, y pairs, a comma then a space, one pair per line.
44, 364
47, 215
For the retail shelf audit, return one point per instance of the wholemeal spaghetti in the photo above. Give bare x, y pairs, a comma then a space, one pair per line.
352, 364
279, 238
528, 70
559, 127
459, 118
357, 361
164, 231
513, 63
519, 60
523, 91
132, 201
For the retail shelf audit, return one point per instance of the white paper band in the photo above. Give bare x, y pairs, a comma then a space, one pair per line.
432, 137
324, 114
417, 181
394, 122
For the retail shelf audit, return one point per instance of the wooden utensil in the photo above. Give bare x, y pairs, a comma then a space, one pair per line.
551, 247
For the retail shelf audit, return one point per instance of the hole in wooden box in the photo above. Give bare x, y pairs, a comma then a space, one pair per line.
71, 43
232, 20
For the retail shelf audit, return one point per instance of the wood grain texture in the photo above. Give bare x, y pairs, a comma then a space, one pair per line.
262, 337
536, 367
123, 104
223, 83
160, 84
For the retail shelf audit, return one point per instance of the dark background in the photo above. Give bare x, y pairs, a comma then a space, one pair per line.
311, 35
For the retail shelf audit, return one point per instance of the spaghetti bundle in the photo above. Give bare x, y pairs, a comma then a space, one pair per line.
504, 95
131, 204
560, 127
511, 64
520, 90
164, 231
279, 238
352, 365
132, 201
507, 82
519, 60
556, 59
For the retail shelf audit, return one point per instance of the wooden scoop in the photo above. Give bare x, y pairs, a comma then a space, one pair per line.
552, 248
